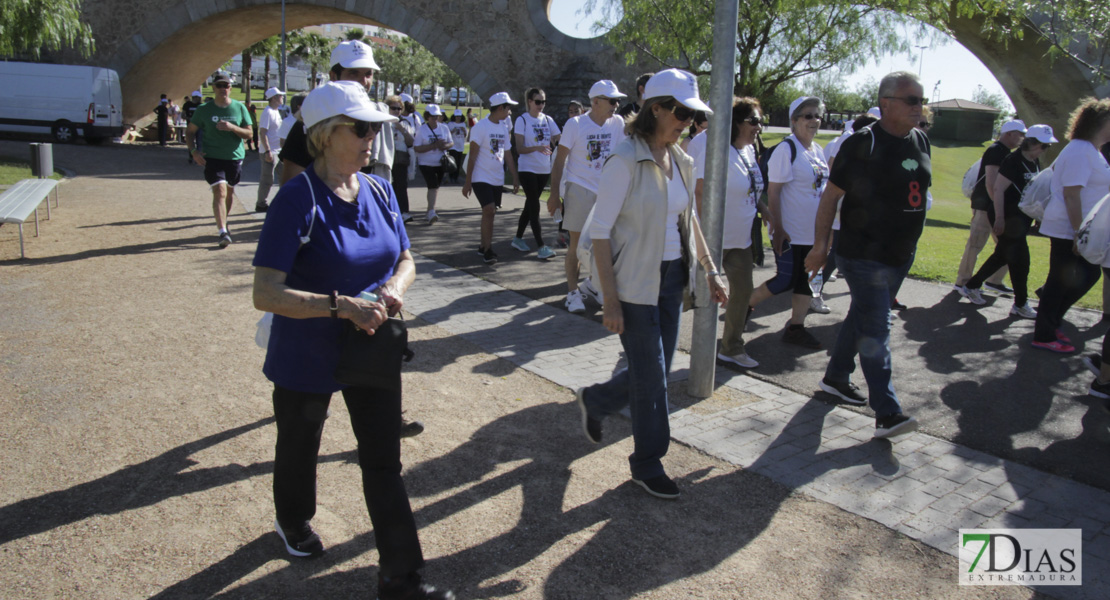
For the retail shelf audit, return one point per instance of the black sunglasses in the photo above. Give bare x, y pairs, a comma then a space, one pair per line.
910, 100
612, 101
222, 85
924, 125
811, 116
394, 108
539, 102
362, 128
754, 121
682, 113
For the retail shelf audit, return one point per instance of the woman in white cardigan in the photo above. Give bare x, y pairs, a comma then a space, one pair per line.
645, 237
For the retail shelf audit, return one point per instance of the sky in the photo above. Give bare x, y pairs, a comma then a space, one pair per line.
956, 69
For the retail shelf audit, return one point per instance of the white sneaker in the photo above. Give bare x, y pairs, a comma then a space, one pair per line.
574, 303
741, 359
974, 295
432, 217
1025, 312
959, 287
586, 288
520, 244
818, 305
832, 277
406, 217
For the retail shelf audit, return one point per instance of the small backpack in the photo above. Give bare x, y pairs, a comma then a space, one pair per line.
765, 158
1093, 237
971, 178
1037, 193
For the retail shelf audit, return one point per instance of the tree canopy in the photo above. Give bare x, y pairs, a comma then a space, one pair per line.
30, 26
314, 49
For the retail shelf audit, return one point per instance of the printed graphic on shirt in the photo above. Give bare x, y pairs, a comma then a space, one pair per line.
597, 149
497, 145
539, 132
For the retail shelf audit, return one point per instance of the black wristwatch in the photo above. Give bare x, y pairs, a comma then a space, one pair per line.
334, 304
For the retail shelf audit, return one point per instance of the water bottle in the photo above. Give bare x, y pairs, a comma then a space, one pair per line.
816, 283
370, 296
558, 216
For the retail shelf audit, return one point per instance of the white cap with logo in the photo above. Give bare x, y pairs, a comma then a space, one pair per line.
270, 93
501, 98
1015, 125
1041, 133
677, 84
354, 54
434, 110
341, 98
605, 89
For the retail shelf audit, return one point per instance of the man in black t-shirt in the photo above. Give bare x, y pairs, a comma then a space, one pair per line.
187, 109
982, 206
162, 111
883, 174
634, 107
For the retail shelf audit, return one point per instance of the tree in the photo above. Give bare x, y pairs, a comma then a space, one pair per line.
776, 41
314, 49
29, 26
409, 62
355, 33
994, 100
265, 48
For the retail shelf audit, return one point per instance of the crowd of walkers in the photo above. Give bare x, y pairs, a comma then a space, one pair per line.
627, 185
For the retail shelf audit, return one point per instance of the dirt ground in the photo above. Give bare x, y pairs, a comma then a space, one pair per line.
135, 456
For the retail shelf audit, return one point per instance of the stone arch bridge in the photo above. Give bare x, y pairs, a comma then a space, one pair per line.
166, 46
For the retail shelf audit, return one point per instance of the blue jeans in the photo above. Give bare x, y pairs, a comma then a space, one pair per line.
866, 330
649, 339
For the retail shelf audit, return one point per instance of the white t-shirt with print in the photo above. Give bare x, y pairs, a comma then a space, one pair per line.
424, 137
270, 120
458, 135
1079, 163
492, 140
804, 182
740, 201
537, 132
589, 146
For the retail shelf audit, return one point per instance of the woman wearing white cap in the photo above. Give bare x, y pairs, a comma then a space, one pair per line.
1011, 226
332, 234
1080, 178
796, 173
432, 140
646, 238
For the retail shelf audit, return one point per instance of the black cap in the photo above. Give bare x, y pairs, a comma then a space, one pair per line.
220, 77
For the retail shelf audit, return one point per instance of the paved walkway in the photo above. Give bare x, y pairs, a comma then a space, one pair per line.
922, 486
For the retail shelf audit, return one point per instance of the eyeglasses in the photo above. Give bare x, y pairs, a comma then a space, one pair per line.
394, 108
924, 125
1045, 146
753, 120
612, 101
222, 85
682, 113
910, 100
362, 128
539, 101
811, 117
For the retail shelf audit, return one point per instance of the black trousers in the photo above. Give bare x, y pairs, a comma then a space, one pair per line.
401, 185
1070, 276
376, 420
532, 184
1011, 250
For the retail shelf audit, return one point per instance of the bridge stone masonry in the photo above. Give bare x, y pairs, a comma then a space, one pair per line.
169, 46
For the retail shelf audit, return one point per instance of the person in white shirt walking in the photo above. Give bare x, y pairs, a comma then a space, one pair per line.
433, 139
485, 171
586, 142
269, 144
535, 134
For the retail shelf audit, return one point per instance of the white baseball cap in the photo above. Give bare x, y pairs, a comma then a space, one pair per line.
677, 84
270, 93
503, 98
341, 98
800, 101
406, 98
457, 113
1015, 125
875, 111
196, 94
354, 54
1041, 133
434, 110
605, 88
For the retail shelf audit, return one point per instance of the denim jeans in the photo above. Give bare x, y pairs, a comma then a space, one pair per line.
866, 330
649, 339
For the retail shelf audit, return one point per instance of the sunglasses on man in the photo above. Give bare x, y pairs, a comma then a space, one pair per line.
910, 100
223, 85
362, 128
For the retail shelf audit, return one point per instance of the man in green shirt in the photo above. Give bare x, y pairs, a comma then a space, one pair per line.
225, 123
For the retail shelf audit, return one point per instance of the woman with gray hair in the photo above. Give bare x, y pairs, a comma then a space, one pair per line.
796, 176
333, 249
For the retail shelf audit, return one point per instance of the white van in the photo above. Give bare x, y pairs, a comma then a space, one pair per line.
62, 100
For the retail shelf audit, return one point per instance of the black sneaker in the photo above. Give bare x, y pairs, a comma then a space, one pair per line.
659, 486
800, 337
489, 256
1093, 362
411, 428
998, 287
411, 587
846, 391
899, 424
225, 239
302, 542
590, 425
481, 251
261, 207
896, 305
1099, 389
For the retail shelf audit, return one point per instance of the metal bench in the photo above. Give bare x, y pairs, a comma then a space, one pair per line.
18, 202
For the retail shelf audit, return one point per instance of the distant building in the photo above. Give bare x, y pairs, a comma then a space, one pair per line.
963, 121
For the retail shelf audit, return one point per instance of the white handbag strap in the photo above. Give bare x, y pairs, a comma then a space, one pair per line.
307, 236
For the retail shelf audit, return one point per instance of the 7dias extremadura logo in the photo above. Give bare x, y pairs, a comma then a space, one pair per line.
1021, 557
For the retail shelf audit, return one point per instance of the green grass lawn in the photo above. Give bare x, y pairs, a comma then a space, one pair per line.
13, 169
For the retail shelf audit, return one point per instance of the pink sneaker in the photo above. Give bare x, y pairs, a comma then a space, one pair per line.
1063, 338
1055, 346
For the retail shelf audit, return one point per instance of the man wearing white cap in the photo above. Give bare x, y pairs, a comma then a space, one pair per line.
485, 170
982, 206
351, 61
269, 144
586, 143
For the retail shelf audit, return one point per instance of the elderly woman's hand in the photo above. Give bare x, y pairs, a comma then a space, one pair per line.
366, 315
717, 291
392, 299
